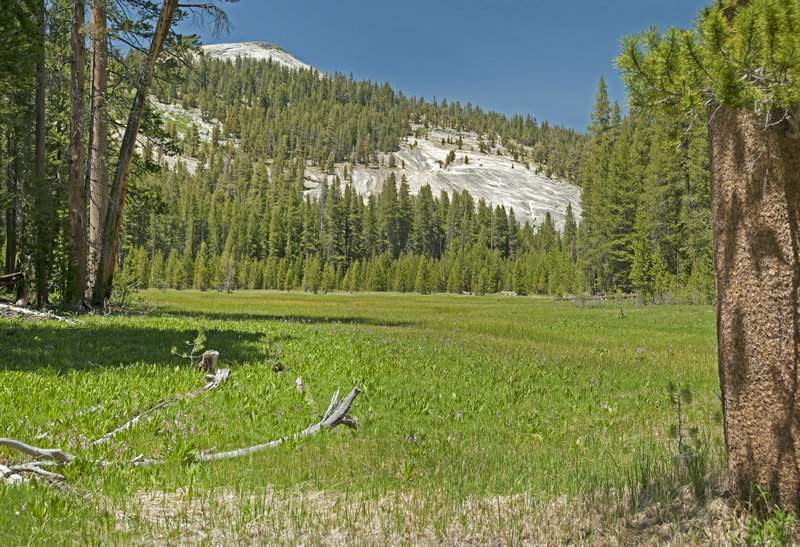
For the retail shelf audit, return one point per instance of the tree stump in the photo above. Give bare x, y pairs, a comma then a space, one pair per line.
208, 362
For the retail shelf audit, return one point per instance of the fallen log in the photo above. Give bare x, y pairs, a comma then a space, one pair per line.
52, 454
11, 280
36, 314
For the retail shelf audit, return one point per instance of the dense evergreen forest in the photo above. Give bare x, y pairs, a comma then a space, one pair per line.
244, 219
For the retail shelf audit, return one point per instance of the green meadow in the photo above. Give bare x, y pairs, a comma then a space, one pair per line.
480, 418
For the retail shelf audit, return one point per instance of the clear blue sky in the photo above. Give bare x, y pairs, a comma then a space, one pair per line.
513, 56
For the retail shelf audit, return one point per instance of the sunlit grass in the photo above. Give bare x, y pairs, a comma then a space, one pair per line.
463, 399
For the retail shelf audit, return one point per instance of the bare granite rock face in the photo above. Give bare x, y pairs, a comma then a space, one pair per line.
493, 176
255, 50
755, 207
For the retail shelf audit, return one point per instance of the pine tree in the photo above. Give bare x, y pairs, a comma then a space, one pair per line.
595, 178
200, 277
734, 66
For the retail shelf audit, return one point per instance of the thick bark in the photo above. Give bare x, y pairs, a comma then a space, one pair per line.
98, 147
77, 189
119, 187
755, 208
43, 205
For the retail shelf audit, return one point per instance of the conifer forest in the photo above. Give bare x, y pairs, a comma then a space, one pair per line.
244, 218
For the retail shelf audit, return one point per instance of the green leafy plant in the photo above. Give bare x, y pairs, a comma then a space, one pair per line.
775, 530
196, 347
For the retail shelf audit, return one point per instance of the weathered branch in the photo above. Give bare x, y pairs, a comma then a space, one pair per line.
217, 380
53, 454
336, 417
348, 420
132, 422
38, 471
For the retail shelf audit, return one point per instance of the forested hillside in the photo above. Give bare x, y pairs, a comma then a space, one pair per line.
244, 216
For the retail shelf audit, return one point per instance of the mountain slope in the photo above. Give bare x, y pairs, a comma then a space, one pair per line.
494, 175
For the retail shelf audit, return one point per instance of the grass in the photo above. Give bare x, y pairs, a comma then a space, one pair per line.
480, 416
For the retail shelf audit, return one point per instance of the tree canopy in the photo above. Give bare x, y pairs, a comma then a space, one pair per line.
742, 55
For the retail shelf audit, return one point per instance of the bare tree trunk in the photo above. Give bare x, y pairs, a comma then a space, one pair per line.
687, 183
43, 199
98, 147
77, 189
11, 211
755, 208
119, 187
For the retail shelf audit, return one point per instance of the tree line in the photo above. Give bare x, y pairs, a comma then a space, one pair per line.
245, 220
250, 226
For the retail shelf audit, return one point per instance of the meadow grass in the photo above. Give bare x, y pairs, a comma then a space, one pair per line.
479, 415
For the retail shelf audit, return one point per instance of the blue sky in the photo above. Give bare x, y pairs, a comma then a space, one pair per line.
513, 56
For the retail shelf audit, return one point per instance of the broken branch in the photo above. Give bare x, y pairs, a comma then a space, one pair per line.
218, 379
38, 471
336, 417
132, 422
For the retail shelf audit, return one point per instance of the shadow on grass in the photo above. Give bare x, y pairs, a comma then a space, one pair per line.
292, 318
30, 346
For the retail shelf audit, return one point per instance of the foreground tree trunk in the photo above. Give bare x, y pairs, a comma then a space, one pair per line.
119, 188
77, 190
755, 208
